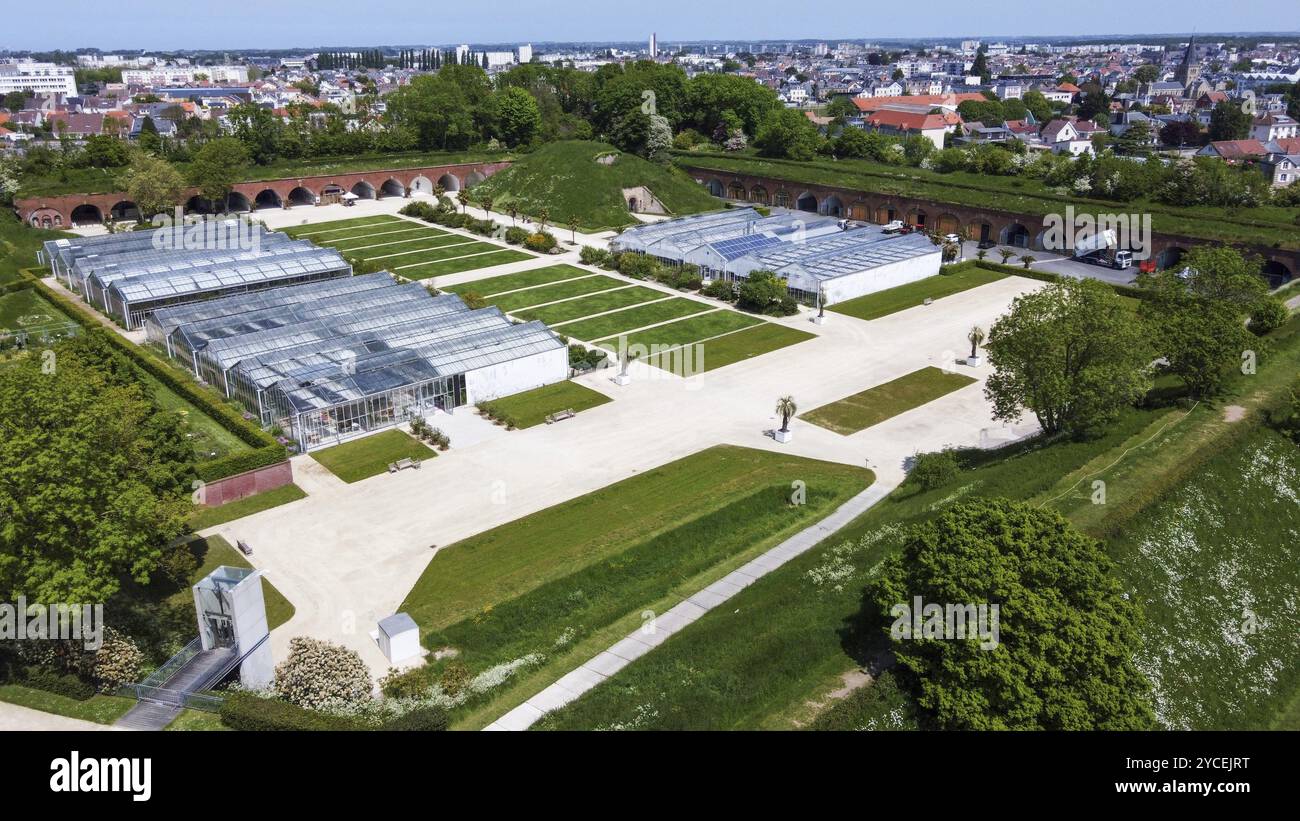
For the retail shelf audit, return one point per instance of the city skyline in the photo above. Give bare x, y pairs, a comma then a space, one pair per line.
134, 25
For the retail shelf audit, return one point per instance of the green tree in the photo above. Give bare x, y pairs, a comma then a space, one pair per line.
1136, 140
148, 139
709, 96
1228, 121
786, 408
1199, 316
153, 184
1146, 73
93, 475
515, 116
1066, 634
787, 133
1071, 354
436, 108
260, 131
216, 167
1037, 105
103, 151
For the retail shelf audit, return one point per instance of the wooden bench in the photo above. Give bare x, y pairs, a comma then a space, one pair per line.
402, 464
243, 547
567, 413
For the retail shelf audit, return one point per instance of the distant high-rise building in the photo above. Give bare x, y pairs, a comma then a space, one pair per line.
654, 46
526, 53
461, 51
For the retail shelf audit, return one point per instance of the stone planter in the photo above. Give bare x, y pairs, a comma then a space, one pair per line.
622, 379
819, 320
784, 436
974, 361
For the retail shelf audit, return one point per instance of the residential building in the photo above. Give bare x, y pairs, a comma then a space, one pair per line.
41, 78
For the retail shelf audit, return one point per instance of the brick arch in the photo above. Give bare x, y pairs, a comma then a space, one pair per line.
86, 214
859, 210
947, 223
715, 186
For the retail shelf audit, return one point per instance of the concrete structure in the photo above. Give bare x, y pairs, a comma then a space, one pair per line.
289, 192
232, 614
979, 224
399, 638
41, 78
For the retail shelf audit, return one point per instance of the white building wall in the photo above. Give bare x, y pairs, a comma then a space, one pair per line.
517, 375
871, 280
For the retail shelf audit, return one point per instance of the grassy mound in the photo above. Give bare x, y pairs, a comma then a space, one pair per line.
565, 178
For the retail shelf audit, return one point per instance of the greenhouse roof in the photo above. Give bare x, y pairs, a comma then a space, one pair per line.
826, 259
107, 270
174, 316
163, 285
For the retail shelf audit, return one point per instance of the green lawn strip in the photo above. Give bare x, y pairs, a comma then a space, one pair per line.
594, 304
507, 561
733, 347
892, 300
370, 455
491, 286
530, 297
210, 516
532, 407
196, 720
874, 405
210, 439
684, 331
340, 226
548, 619
386, 234
27, 309
99, 708
784, 641
599, 327
402, 253
19, 244
453, 266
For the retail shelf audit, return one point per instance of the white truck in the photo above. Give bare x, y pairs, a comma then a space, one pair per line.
1102, 248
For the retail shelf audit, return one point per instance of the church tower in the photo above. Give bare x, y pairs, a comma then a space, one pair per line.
1189, 72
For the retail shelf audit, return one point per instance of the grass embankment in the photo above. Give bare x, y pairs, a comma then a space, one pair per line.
893, 300
105, 180
886, 400
532, 407
1199, 513
565, 179
1270, 225
99, 708
212, 516
370, 455
567, 581
18, 246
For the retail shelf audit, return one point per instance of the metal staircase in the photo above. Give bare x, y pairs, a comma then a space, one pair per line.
183, 681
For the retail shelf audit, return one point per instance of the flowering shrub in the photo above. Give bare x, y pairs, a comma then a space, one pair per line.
117, 662
319, 675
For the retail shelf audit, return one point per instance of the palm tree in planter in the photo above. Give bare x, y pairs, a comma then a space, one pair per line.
821, 306
486, 202
438, 191
981, 254
573, 229
976, 338
951, 251
1006, 254
1027, 260
462, 197
513, 212
543, 217
786, 407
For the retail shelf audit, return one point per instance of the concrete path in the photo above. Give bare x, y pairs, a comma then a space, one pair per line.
655, 632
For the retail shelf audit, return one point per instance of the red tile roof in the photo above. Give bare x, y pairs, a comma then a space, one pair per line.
1238, 149
907, 120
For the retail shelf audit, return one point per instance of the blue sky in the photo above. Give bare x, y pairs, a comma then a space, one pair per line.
149, 24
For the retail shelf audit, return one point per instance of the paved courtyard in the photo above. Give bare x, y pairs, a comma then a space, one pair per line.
347, 555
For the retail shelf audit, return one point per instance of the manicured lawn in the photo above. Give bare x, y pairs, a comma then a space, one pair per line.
874, 405
491, 286
99, 708
434, 248
735, 347
684, 331
541, 586
196, 720
452, 266
210, 516
386, 236
600, 327
532, 407
338, 227
883, 303
27, 309
551, 293
370, 455
594, 304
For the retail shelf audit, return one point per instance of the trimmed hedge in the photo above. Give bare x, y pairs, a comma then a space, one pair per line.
43, 678
245, 711
422, 720
264, 450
